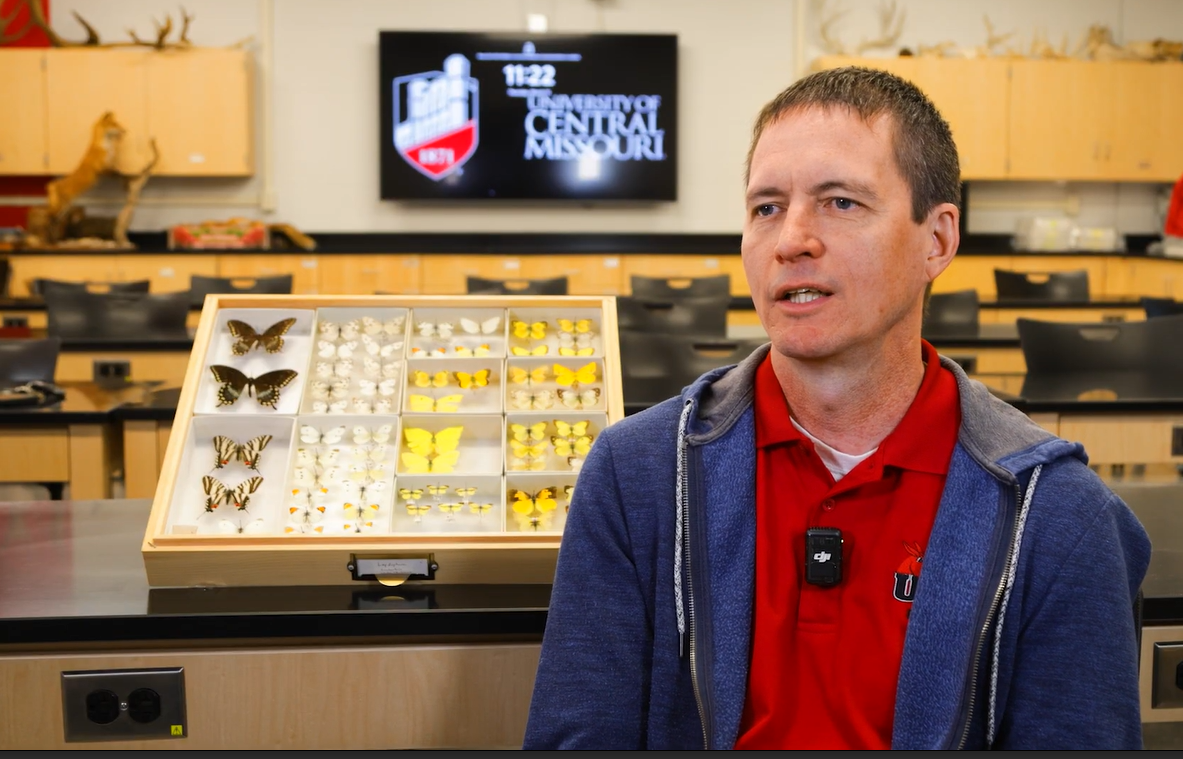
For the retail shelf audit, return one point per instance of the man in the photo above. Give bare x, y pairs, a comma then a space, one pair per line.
742, 566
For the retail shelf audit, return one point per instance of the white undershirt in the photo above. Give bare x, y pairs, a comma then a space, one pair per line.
836, 461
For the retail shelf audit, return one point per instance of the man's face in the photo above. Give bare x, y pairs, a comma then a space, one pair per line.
833, 259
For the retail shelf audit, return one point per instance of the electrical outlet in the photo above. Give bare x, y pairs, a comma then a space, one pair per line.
123, 704
110, 371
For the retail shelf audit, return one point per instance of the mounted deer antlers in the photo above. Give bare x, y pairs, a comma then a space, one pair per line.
37, 19
890, 26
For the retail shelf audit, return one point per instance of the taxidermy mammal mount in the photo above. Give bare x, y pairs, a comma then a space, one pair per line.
99, 159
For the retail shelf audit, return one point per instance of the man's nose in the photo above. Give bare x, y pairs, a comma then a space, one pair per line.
798, 234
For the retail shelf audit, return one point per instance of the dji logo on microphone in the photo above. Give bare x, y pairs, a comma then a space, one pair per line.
822, 557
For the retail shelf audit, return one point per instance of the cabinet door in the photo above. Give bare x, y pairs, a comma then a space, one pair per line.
972, 95
98, 267
199, 110
82, 84
168, 272
358, 274
1137, 132
22, 126
1167, 95
1061, 119
302, 267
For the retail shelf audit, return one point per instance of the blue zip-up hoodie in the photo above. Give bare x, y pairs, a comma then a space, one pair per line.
1021, 635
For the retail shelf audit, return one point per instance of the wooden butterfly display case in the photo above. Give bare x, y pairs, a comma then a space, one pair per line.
343, 439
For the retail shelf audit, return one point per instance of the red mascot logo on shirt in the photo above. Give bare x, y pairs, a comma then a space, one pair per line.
908, 574
438, 133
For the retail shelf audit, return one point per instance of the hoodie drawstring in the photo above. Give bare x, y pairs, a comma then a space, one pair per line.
991, 723
680, 496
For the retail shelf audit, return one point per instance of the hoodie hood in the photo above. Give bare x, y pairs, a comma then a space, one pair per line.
998, 436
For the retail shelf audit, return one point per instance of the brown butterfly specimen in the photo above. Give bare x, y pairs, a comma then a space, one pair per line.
271, 339
265, 387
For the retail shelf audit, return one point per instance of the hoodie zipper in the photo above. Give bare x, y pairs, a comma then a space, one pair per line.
973, 682
691, 624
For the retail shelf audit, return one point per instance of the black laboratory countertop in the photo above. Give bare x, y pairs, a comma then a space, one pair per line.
73, 573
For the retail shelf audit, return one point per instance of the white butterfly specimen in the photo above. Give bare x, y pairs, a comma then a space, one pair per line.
362, 406
367, 387
463, 351
383, 406
370, 326
375, 453
253, 527
526, 400
370, 366
368, 472
343, 369
328, 330
308, 497
394, 327
390, 371
361, 434
580, 399
323, 407
485, 327
392, 349
442, 330
326, 349
370, 345
575, 340
382, 433
345, 350
311, 435
324, 369
350, 330
417, 352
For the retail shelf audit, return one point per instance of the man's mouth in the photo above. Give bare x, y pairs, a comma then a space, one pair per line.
803, 295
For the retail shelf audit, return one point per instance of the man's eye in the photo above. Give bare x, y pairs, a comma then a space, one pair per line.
844, 204
765, 210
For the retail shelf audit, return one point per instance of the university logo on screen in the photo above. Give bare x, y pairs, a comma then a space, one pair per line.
440, 130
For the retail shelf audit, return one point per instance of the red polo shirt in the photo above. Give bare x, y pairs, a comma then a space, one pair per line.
825, 660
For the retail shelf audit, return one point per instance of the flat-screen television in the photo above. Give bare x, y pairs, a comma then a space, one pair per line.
547, 116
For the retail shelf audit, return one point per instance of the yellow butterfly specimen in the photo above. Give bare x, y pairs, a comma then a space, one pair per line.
423, 379
578, 325
533, 522
519, 375
537, 350
417, 510
424, 442
525, 502
409, 494
473, 381
577, 447
415, 463
437, 490
566, 351
530, 458
569, 430
523, 434
580, 399
426, 404
451, 509
465, 493
528, 330
480, 509
584, 375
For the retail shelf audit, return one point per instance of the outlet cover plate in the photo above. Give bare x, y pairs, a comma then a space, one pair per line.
168, 682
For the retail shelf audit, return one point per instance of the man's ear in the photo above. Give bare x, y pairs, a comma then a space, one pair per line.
944, 226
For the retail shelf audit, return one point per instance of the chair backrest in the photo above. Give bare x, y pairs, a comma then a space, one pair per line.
41, 286
1161, 307
695, 316
482, 286
1150, 346
26, 360
657, 366
673, 288
5, 273
118, 316
1061, 286
955, 313
201, 286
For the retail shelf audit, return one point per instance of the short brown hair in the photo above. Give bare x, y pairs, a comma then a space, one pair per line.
924, 149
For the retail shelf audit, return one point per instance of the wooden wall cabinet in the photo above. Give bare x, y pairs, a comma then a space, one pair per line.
196, 103
23, 148
1052, 120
